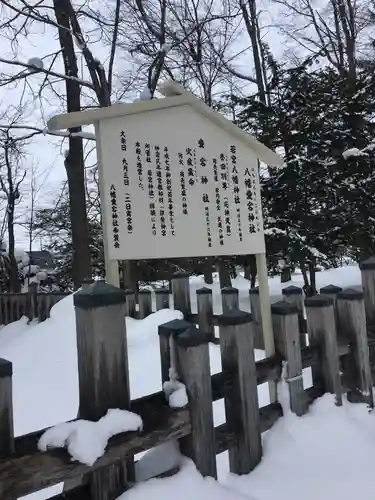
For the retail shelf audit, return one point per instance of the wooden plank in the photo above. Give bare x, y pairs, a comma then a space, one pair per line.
229, 299
130, 303
367, 268
6, 408
194, 371
352, 326
103, 372
294, 295
162, 298
205, 311
257, 318
145, 303
322, 327
241, 403
287, 340
181, 293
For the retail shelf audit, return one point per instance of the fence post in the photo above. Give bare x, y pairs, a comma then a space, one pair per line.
287, 340
181, 293
367, 268
145, 303
167, 335
352, 326
241, 401
6, 408
256, 314
162, 298
294, 295
194, 370
103, 371
129, 303
322, 328
229, 299
331, 291
205, 311
33, 293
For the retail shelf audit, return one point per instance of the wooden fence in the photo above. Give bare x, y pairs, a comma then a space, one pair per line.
337, 353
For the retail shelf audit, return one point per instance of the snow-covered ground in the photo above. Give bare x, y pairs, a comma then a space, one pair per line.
305, 456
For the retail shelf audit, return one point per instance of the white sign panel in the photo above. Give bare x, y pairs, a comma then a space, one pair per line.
177, 185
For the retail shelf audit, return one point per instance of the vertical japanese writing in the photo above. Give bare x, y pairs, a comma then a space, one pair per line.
224, 172
148, 153
168, 177
206, 202
128, 214
160, 188
202, 163
250, 202
236, 188
123, 141
255, 198
214, 168
114, 216
183, 182
190, 165
125, 172
151, 195
139, 164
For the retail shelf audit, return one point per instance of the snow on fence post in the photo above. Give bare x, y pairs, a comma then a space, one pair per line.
257, 318
103, 371
321, 326
145, 303
287, 340
241, 402
181, 293
129, 303
162, 298
367, 268
352, 326
229, 299
205, 311
6, 408
194, 370
294, 295
167, 340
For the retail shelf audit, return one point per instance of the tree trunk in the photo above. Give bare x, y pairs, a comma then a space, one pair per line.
224, 275
129, 276
312, 266
14, 282
286, 274
207, 273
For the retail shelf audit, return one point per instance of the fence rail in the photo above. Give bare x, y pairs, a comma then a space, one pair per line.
331, 340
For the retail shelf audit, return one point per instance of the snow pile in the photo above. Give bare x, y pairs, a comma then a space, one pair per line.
349, 153
86, 441
175, 392
158, 460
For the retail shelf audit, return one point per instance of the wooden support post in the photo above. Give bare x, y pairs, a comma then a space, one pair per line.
332, 291
162, 298
181, 293
241, 401
287, 339
145, 303
367, 268
103, 371
169, 330
294, 295
6, 409
322, 328
205, 312
194, 371
257, 318
130, 303
352, 326
229, 299
33, 293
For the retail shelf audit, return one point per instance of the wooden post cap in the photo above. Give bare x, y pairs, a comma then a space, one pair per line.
98, 294
204, 291
6, 368
228, 290
180, 275
144, 292
367, 264
193, 337
282, 308
234, 317
254, 291
128, 291
330, 290
318, 301
350, 294
162, 291
291, 290
175, 327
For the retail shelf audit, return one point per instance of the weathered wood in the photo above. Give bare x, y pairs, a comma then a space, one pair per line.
102, 370
194, 366
168, 332
130, 303
352, 326
241, 403
6, 408
367, 268
181, 293
256, 314
322, 328
287, 340
294, 295
33, 293
205, 311
162, 298
229, 299
145, 303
